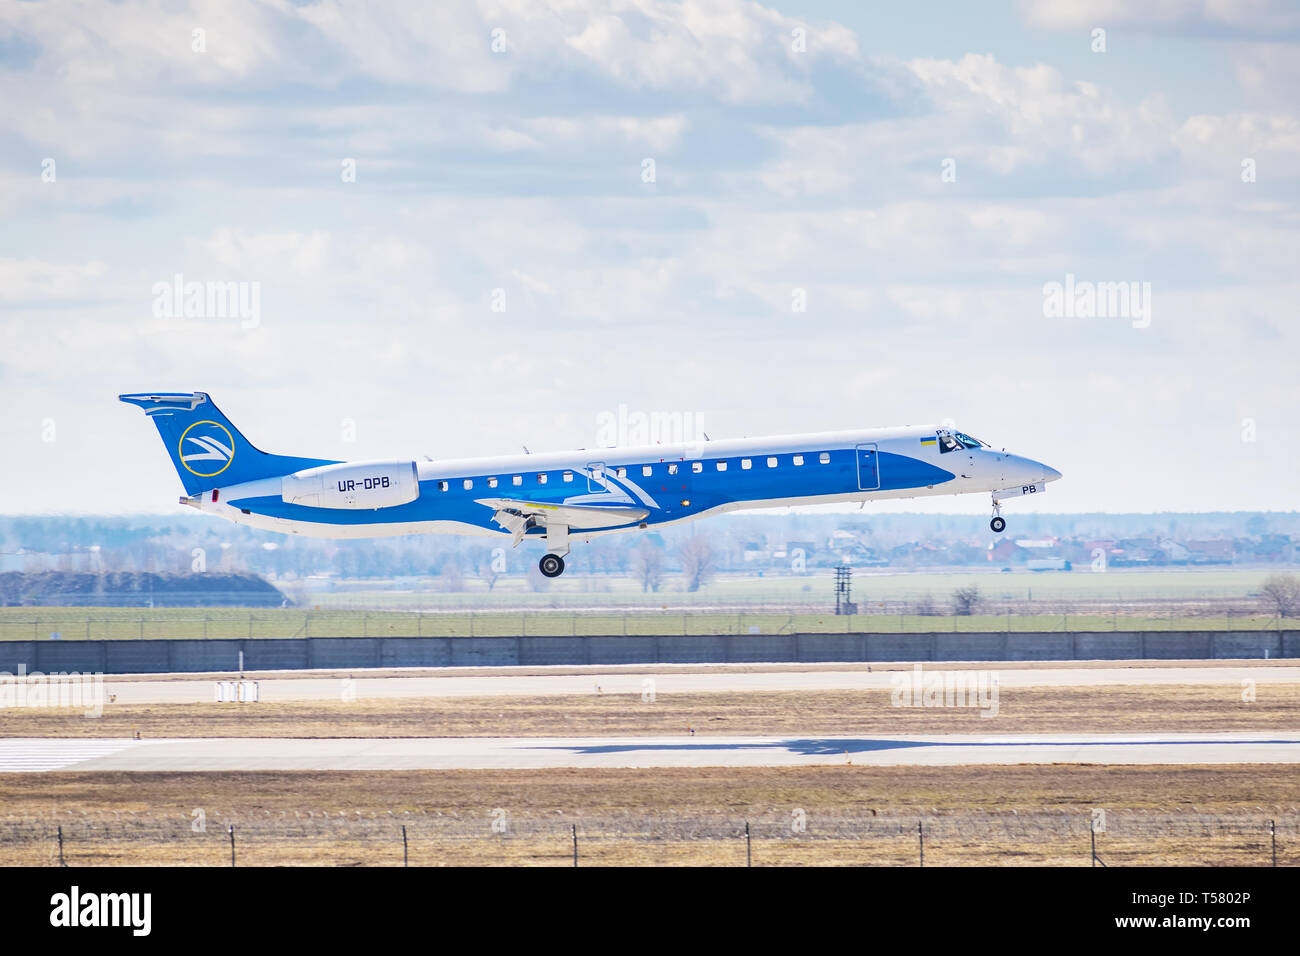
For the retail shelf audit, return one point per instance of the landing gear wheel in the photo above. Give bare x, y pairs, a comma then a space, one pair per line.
551, 565
998, 524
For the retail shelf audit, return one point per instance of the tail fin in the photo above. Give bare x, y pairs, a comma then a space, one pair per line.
207, 450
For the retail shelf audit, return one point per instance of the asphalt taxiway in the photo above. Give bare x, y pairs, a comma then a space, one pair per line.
449, 683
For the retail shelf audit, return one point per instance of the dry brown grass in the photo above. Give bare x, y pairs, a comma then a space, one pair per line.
1023, 814
674, 816
667, 789
1121, 709
557, 851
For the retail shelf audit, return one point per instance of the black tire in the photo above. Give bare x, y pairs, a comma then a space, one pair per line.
998, 524
551, 565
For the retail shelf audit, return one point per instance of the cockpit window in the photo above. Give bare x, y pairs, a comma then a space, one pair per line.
956, 441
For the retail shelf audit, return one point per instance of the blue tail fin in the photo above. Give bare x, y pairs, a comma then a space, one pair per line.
207, 450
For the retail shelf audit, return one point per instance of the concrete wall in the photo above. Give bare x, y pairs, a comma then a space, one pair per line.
188, 656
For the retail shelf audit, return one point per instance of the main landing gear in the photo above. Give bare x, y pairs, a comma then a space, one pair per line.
999, 523
557, 546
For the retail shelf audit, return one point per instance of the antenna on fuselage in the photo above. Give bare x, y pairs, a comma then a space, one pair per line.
526, 451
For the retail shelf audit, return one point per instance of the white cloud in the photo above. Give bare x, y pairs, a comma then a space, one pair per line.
1268, 74
1042, 117
740, 52
656, 132
1263, 17
25, 280
520, 171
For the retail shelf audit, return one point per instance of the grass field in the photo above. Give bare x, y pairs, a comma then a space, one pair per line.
591, 604
1106, 709
582, 589
1013, 815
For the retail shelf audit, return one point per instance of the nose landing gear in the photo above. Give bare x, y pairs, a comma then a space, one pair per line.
999, 523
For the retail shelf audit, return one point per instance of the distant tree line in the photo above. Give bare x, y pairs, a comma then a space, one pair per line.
126, 589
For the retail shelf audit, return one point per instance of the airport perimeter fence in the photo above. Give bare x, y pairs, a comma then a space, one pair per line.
1067, 837
316, 653
21, 624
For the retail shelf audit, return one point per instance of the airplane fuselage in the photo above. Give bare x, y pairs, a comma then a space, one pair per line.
562, 495
671, 483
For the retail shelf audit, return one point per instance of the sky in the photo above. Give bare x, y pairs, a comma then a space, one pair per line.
461, 228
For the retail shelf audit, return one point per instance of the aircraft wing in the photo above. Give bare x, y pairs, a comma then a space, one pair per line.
518, 516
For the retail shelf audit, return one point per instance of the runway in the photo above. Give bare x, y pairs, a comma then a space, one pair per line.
449, 683
477, 753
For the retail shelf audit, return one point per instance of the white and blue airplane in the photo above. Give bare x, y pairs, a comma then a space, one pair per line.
557, 496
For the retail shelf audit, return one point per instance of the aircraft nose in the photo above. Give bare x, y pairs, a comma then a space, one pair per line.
1029, 471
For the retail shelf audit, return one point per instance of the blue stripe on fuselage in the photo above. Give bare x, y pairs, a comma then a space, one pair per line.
708, 489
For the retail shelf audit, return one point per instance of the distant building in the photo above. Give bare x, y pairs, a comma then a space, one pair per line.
1006, 551
1049, 564
1210, 552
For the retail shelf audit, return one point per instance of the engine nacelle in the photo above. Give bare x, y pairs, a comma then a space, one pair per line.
353, 485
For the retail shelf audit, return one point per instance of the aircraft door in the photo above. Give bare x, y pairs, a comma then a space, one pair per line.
868, 467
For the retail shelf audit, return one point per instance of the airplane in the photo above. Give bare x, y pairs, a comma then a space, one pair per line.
559, 496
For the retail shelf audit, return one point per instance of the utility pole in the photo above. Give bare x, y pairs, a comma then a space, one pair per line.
843, 590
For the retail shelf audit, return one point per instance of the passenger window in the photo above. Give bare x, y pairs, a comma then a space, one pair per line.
492, 482
621, 473
469, 483
443, 486
672, 469
568, 476
697, 466
541, 477
824, 458
517, 480
722, 466
771, 463
646, 471
746, 464
798, 459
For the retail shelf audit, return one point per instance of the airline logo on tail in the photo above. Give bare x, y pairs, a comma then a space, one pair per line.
207, 448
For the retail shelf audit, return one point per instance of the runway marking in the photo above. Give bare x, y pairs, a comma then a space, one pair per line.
525, 753
32, 755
